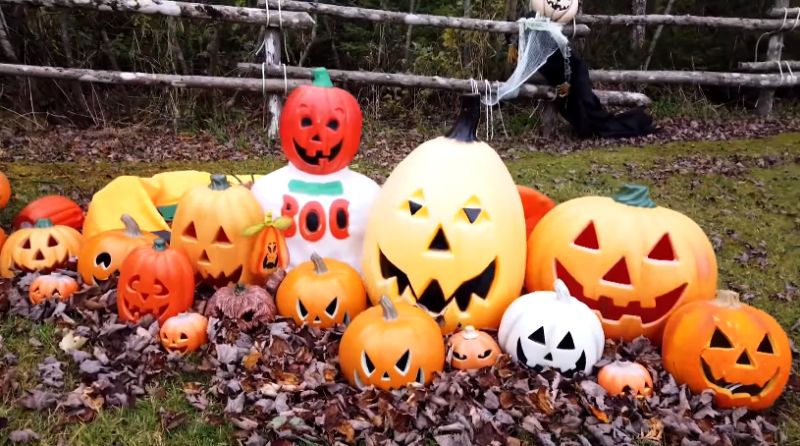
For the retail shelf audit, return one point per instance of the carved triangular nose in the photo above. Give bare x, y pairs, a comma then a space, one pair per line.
548, 356
439, 241
618, 273
744, 359
315, 138
385, 376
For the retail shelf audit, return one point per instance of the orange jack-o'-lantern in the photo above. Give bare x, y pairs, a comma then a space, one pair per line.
625, 376
472, 349
320, 126
629, 260
102, 254
51, 285
391, 345
155, 280
269, 252
5, 190
184, 333
209, 225
43, 247
449, 239
738, 351
322, 293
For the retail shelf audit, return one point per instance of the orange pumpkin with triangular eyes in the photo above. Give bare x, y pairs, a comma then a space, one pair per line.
630, 261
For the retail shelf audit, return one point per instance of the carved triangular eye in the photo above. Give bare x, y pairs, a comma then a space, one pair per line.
413, 207
472, 214
459, 356
404, 362
51, 242
537, 336
765, 346
301, 309
26, 244
567, 343
332, 307
222, 238
190, 232
485, 354
367, 364
663, 250
588, 237
719, 340
103, 259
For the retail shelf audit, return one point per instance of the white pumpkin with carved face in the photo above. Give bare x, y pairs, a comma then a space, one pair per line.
551, 329
561, 11
447, 230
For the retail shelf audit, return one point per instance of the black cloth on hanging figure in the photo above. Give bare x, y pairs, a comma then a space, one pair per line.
582, 108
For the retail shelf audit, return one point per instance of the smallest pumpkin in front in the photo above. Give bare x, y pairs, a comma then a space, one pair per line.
51, 285
472, 349
184, 333
621, 376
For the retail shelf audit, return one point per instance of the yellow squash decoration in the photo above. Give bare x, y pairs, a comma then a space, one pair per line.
447, 230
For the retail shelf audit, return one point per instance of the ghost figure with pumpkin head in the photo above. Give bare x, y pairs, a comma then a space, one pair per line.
328, 203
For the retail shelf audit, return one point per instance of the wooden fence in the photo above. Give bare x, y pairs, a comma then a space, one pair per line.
297, 15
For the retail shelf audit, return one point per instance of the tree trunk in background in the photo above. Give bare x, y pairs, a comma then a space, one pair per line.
774, 50
639, 7
656, 36
412, 5
5, 42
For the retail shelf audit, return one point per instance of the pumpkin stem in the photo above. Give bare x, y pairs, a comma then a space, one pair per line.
728, 298
470, 332
465, 128
219, 182
43, 223
635, 195
239, 288
159, 244
389, 310
131, 227
562, 292
322, 78
319, 264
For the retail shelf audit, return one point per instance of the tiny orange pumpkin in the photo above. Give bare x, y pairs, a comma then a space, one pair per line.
51, 285
322, 292
184, 333
472, 349
620, 376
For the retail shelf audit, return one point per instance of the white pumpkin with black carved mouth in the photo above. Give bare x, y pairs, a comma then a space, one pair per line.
547, 329
447, 230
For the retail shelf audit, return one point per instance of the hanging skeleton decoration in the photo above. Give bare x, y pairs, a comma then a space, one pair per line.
540, 37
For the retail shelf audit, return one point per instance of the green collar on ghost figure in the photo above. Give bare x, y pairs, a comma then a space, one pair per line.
333, 188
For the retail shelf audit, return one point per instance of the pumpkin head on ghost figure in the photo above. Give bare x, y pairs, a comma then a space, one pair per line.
320, 126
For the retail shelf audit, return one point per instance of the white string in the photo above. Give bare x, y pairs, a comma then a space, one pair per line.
489, 111
789, 67
473, 85
500, 112
264, 78
780, 70
285, 81
796, 19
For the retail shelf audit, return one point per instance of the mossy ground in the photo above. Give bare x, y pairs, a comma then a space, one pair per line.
745, 194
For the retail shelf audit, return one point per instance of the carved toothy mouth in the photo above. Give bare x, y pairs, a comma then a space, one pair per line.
316, 160
610, 311
137, 311
221, 279
735, 388
179, 349
432, 297
580, 364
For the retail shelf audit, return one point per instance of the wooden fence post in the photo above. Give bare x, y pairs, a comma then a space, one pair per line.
767, 97
272, 47
5, 42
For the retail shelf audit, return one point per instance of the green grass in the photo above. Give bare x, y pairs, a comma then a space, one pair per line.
758, 206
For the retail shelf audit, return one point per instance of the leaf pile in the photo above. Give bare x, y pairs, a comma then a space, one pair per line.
281, 384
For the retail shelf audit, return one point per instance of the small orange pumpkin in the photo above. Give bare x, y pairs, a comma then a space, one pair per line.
5, 190
472, 349
737, 350
43, 247
155, 280
51, 285
322, 292
620, 376
391, 345
270, 251
103, 253
184, 333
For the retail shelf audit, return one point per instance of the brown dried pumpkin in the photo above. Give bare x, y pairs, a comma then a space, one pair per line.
248, 306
